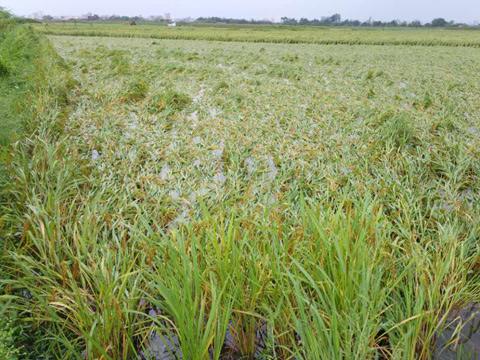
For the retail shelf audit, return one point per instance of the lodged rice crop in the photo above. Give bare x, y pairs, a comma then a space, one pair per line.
241, 200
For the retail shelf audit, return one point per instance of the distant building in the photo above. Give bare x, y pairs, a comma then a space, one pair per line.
172, 24
68, 17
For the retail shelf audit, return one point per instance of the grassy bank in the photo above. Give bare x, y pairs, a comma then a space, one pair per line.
274, 34
26, 85
33, 95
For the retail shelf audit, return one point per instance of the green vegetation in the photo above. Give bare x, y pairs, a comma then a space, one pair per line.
136, 91
8, 349
248, 200
275, 34
169, 101
33, 88
24, 59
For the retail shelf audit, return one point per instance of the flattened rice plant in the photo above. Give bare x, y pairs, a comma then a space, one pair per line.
286, 215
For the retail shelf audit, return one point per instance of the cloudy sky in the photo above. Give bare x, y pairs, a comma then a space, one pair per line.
425, 10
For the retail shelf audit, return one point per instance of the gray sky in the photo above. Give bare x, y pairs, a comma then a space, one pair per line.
425, 10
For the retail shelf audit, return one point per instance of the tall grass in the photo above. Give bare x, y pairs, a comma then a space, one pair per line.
33, 86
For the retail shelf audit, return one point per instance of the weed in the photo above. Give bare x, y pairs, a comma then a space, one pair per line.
120, 62
222, 85
372, 74
169, 101
326, 60
3, 69
290, 58
398, 131
136, 90
8, 347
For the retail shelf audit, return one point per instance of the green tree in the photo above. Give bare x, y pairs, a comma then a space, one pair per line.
439, 22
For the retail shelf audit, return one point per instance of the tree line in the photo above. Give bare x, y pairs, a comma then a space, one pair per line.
336, 20
333, 20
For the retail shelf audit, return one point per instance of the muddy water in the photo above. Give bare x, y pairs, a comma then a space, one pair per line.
467, 322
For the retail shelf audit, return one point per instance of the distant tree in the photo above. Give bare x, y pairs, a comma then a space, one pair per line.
4, 14
439, 22
47, 18
332, 20
335, 18
415, 23
289, 21
304, 21
219, 20
93, 17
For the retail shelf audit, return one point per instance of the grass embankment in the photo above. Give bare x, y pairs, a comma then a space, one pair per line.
274, 34
33, 95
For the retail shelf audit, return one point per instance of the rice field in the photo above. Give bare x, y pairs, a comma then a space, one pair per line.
247, 125
463, 37
244, 200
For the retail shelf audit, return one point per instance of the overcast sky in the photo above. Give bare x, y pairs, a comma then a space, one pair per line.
425, 10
